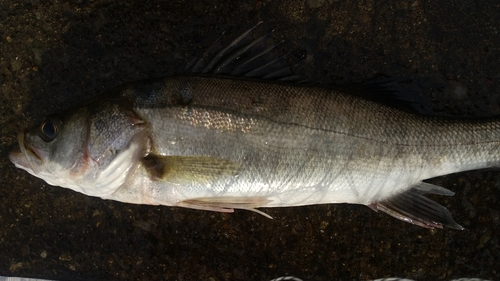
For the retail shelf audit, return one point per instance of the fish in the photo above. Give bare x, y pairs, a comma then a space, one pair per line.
242, 131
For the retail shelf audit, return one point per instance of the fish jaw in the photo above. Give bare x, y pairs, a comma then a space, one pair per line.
36, 161
29, 157
20, 161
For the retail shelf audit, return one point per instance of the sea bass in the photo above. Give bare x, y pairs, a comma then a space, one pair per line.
222, 143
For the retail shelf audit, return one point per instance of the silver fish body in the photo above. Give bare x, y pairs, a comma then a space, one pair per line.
305, 145
219, 144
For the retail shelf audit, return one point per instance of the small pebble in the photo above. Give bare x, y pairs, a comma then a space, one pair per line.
65, 257
315, 3
16, 65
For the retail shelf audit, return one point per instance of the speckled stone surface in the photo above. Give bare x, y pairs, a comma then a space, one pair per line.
56, 54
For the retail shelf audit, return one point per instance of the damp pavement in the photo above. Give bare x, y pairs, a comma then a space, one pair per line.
57, 54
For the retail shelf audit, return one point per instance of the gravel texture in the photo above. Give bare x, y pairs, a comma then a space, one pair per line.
57, 54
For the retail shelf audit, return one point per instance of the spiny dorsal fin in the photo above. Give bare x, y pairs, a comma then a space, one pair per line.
245, 57
411, 206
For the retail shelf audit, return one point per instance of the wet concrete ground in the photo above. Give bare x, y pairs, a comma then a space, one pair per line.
56, 54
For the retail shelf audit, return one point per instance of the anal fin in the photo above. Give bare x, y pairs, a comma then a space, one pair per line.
227, 204
412, 207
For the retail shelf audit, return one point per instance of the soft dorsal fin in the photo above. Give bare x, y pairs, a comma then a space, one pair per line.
401, 93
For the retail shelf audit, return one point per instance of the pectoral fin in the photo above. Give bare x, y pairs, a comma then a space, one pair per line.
195, 169
227, 204
188, 169
411, 206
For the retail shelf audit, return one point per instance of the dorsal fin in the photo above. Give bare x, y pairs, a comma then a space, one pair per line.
246, 56
252, 56
392, 91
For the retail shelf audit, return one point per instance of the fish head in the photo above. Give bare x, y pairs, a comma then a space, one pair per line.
91, 150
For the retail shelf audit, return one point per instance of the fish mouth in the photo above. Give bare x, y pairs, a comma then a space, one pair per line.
29, 154
18, 158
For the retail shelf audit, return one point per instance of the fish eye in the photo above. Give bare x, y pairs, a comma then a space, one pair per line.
49, 129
